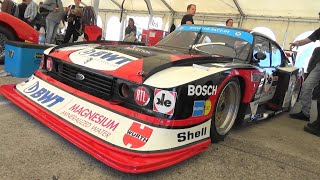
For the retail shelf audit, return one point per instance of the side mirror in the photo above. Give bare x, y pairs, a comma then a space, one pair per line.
260, 56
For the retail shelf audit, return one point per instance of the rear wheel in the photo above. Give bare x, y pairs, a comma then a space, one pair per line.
295, 92
5, 35
226, 110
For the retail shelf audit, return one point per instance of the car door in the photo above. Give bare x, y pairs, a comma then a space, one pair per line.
263, 45
286, 79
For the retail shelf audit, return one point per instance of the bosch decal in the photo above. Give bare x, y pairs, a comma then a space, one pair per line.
100, 59
164, 101
202, 90
43, 95
187, 136
201, 108
141, 96
137, 135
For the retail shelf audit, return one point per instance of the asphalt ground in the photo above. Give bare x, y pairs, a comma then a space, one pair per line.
276, 148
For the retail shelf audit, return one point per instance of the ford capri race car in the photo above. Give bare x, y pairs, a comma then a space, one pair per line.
139, 109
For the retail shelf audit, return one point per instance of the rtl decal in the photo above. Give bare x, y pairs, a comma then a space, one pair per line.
137, 135
141, 96
164, 101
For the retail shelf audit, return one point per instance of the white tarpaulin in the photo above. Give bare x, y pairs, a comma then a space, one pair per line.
286, 18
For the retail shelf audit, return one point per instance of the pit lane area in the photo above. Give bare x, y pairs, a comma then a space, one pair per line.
277, 148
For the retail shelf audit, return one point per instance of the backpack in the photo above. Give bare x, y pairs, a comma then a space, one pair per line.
15, 10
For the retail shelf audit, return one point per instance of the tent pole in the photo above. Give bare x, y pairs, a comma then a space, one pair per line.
238, 7
117, 4
241, 22
150, 12
96, 6
285, 35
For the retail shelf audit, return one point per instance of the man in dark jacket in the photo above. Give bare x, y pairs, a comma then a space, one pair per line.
308, 86
22, 8
188, 18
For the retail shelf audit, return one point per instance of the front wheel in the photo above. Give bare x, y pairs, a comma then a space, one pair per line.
226, 110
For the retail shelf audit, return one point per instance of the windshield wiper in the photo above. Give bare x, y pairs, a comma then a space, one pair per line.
195, 40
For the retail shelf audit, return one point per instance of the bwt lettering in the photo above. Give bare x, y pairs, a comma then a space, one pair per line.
202, 90
43, 95
105, 55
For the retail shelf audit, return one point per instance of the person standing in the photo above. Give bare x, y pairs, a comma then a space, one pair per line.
6, 6
314, 127
188, 18
310, 83
229, 23
131, 28
31, 12
56, 13
22, 8
74, 17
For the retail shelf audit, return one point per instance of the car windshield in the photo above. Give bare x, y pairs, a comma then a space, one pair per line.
214, 41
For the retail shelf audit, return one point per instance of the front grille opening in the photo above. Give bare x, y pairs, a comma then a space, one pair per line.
83, 79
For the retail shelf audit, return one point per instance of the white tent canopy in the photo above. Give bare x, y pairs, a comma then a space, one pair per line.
286, 18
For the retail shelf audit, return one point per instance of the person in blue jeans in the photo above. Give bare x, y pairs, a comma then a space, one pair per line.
307, 88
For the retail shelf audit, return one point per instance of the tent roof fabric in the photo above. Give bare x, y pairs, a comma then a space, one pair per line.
306, 9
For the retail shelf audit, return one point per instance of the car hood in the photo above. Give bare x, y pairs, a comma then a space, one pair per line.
134, 63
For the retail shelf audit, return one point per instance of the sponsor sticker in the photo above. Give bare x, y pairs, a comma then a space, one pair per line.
238, 33
141, 96
201, 108
255, 77
207, 107
109, 126
43, 95
198, 108
100, 59
219, 30
137, 135
202, 90
136, 49
164, 101
268, 82
190, 135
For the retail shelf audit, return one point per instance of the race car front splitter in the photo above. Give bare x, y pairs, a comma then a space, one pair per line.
122, 142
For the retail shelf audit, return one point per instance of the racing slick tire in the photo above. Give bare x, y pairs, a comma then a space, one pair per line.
5, 35
226, 110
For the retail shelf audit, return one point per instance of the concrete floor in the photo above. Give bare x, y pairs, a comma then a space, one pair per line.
277, 148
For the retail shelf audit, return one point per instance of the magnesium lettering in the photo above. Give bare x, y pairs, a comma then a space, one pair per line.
94, 116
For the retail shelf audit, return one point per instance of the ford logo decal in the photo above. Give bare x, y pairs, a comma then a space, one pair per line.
80, 76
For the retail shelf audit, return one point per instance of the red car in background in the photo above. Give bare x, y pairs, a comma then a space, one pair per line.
14, 29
